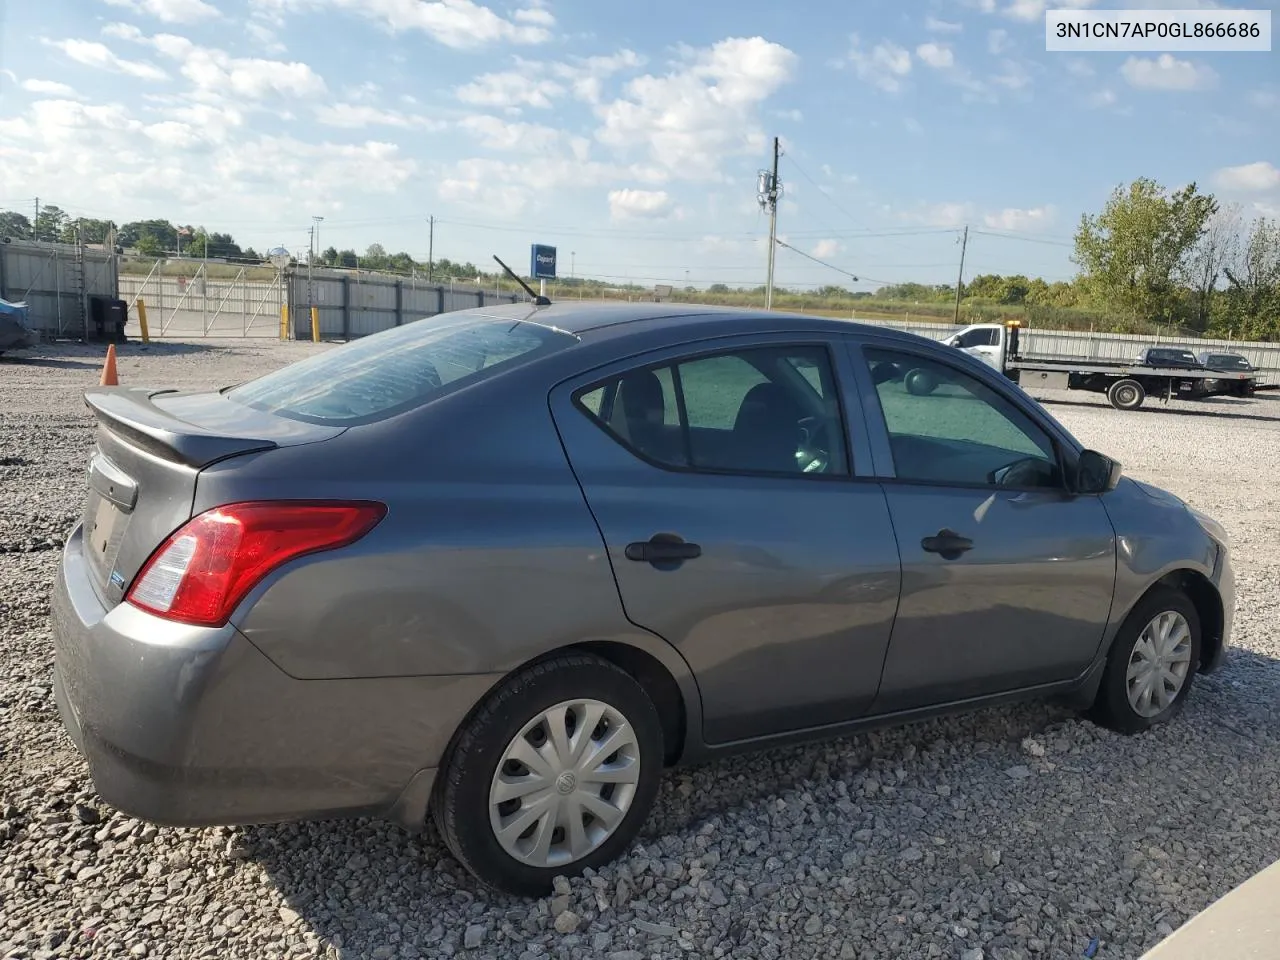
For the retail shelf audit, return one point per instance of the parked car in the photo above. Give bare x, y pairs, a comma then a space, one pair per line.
503, 566
1168, 357
1228, 363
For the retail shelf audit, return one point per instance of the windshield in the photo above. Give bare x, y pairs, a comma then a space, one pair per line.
1229, 361
389, 372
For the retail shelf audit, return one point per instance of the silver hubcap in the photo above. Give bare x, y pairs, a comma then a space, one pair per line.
1159, 664
564, 783
1127, 395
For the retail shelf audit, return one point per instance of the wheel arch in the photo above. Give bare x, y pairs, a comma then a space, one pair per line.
1204, 596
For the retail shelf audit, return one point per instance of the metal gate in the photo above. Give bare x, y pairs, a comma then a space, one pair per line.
203, 306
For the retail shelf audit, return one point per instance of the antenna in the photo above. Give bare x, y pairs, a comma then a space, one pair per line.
537, 299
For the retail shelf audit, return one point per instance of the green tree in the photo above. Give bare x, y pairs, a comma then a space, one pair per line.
14, 225
347, 258
330, 256
1134, 254
50, 224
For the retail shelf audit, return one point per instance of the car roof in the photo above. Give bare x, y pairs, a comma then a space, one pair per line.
584, 317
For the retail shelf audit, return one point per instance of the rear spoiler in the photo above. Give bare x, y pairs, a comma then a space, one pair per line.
131, 413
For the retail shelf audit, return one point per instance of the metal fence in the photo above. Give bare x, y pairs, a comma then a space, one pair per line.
349, 304
57, 281
355, 304
1071, 344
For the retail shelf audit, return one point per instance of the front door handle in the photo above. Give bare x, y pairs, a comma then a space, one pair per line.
947, 544
663, 548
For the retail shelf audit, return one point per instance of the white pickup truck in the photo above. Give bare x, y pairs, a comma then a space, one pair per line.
1163, 372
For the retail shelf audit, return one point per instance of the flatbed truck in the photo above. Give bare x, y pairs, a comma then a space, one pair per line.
1126, 384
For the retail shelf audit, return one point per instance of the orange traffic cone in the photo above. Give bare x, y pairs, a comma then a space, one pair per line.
109, 378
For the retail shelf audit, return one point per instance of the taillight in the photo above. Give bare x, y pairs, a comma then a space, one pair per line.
207, 566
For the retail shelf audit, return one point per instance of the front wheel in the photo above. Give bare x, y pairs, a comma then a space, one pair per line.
555, 773
1152, 663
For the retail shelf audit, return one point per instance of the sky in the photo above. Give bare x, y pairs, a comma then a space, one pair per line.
629, 136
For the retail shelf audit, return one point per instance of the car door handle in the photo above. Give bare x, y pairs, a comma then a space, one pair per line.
946, 543
663, 548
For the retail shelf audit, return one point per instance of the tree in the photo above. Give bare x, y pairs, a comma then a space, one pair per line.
153, 238
1210, 257
49, 225
330, 256
347, 258
1135, 252
1252, 298
14, 225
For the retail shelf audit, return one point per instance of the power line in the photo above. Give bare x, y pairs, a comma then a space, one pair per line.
854, 277
1024, 238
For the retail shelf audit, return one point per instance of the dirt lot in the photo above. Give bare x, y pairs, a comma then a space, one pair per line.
1007, 833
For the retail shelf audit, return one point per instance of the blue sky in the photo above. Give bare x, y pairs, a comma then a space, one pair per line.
629, 136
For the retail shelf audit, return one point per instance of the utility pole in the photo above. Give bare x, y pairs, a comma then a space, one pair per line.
35, 224
960, 279
431, 246
767, 192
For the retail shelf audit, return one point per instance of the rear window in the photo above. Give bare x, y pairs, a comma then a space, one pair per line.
389, 372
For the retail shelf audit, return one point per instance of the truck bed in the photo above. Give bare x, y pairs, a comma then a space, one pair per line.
1123, 368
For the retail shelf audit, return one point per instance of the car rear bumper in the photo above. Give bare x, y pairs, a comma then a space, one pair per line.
194, 726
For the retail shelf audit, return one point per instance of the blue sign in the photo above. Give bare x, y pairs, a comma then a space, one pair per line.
542, 262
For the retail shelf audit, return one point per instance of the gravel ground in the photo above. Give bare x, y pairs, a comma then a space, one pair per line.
1017, 832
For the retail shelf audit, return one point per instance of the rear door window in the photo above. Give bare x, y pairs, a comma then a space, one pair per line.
390, 372
761, 410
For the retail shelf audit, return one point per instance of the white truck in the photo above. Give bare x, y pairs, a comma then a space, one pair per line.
1164, 372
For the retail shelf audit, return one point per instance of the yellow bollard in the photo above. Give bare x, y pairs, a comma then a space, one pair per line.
284, 322
315, 324
142, 321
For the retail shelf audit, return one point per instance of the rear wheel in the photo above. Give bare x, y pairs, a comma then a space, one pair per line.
1151, 665
555, 773
1126, 394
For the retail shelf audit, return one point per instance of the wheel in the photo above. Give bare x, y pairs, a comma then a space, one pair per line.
1126, 394
920, 382
553, 774
1151, 665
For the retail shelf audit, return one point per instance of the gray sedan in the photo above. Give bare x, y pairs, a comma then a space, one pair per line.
501, 567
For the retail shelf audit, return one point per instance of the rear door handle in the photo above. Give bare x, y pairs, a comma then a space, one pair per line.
663, 548
947, 544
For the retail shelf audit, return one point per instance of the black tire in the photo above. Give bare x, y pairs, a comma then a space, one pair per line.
1126, 394
460, 806
1112, 708
920, 382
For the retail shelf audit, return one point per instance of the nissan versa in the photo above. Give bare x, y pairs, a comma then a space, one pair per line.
504, 566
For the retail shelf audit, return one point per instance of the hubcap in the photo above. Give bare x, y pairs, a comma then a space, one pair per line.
564, 783
1127, 394
1159, 664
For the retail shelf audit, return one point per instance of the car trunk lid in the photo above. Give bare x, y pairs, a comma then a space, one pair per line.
150, 447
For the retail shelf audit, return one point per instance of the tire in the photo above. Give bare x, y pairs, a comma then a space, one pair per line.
462, 809
1114, 707
1126, 394
920, 382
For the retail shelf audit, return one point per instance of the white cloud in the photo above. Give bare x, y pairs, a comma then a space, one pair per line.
1166, 72
510, 90
883, 67
639, 204
705, 109
215, 73
170, 11
497, 134
1256, 177
461, 24
997, 41
934, 25
942, 215
354, 116
1032, 10
1079, 67
1103, 98
1012, 218
1012, 76
48, 87
1265, 99
94, 54
935, 55
825, 248
586, 76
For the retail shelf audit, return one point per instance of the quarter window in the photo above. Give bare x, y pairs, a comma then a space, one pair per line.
946, 426
760, 410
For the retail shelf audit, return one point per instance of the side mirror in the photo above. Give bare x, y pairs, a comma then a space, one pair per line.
1096, 473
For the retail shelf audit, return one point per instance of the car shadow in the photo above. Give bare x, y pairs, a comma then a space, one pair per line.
57, 363
347, 880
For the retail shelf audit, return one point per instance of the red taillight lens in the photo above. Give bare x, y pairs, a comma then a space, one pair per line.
208, 565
